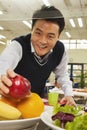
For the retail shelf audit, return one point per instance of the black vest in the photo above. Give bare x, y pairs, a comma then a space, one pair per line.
29, 68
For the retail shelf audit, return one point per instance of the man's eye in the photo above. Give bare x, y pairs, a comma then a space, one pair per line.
51, 37
38, 33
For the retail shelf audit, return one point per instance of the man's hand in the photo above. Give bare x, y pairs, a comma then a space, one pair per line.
69, 100
5, 81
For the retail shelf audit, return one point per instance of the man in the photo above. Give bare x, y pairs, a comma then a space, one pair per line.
37, 54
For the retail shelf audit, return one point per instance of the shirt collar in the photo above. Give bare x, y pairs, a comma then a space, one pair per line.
32, 48
41, 61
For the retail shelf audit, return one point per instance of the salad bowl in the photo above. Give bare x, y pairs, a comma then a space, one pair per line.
46, 118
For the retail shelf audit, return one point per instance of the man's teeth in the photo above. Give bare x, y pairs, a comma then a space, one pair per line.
42, 46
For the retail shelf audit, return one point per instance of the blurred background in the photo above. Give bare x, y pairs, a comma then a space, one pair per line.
16, 19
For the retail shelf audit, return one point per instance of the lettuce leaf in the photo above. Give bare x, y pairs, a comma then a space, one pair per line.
66, 109
79, 123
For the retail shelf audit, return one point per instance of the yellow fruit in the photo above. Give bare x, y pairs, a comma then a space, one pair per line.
8, 101
32, 106
8, 112
3, 118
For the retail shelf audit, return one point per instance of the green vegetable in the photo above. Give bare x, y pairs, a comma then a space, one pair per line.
79, 123
70, 110
66, 109
58, 122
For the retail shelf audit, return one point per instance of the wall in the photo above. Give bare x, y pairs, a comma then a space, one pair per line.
78, 56
75, 56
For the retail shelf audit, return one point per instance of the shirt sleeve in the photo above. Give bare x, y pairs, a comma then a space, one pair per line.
10, 57
62, 76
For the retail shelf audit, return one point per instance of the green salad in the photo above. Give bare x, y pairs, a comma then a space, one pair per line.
69, 117
79, 123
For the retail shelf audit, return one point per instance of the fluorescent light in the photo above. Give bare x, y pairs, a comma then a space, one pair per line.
72, 23
46, 2
1, 12
27, 23
84, 41
1, 36
2, 42
68, 34
80, 22
1, 28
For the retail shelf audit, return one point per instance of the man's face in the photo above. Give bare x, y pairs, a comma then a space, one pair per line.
44, 36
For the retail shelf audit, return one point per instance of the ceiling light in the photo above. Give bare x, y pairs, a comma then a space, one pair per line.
68, 34
1, 36
1, 28
27, 23
72, 23
80, 22
2, 42
1, 12
46, 2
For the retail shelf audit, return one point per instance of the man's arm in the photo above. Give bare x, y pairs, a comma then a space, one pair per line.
10, 57
62, 75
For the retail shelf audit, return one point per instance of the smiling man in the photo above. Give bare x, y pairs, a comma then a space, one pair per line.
37, 54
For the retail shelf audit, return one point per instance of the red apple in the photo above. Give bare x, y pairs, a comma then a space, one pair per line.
20, 88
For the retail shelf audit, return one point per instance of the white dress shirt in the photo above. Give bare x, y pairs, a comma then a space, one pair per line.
12, 54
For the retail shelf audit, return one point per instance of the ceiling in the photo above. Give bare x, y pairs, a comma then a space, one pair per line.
15, 11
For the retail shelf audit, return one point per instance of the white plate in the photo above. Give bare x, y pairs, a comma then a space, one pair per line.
46, 118
18, 124
21, 123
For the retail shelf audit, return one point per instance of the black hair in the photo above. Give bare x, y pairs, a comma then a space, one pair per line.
49, 13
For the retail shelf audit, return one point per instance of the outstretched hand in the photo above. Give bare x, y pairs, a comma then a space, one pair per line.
69, 100
5, 81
